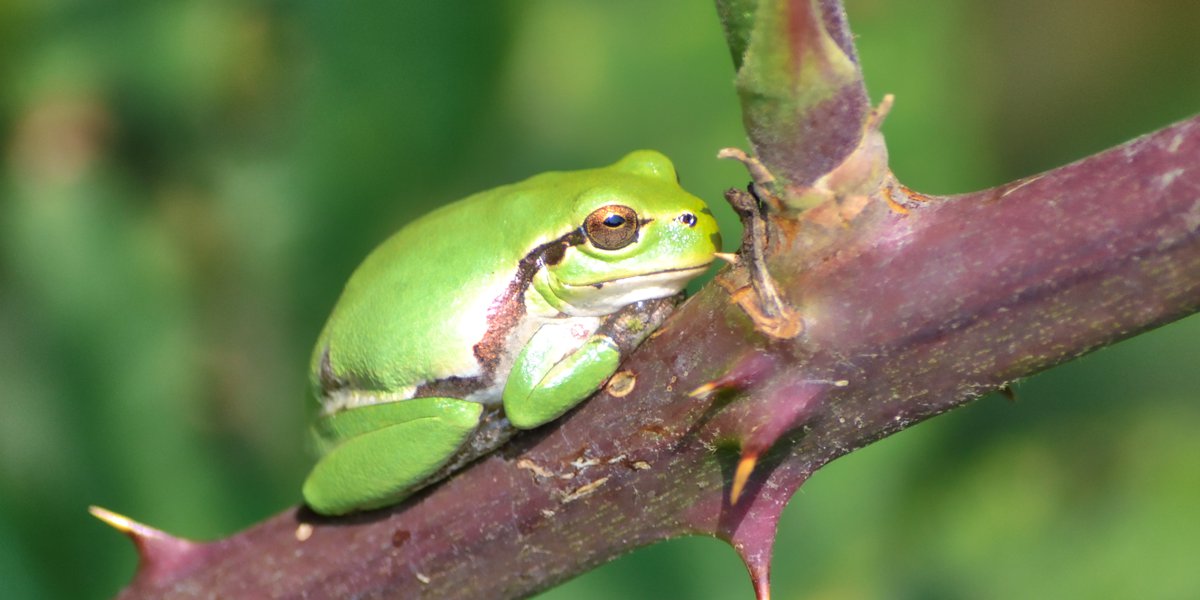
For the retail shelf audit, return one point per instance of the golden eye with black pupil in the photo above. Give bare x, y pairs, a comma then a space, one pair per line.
612, 227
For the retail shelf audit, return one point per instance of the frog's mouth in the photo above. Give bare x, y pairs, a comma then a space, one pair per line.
611, 294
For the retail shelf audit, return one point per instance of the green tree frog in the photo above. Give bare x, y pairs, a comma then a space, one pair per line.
496, 313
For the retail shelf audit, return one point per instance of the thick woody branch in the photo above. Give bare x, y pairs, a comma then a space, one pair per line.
906, 316
887, 308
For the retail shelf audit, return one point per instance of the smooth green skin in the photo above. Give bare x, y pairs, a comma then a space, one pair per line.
353, 475
415, 309
540, 390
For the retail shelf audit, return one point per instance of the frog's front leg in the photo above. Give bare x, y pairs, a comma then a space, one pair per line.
379, 454
549, 378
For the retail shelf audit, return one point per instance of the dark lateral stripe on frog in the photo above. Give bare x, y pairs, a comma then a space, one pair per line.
329, 380
506, 310
503, 315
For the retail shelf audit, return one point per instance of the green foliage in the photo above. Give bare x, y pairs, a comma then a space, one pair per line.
187, 184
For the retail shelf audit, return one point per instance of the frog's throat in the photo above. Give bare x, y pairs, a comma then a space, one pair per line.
606, 297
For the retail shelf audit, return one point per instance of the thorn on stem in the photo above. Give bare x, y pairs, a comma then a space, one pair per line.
879, 113
758, 566
704, 390
1007, 391
161, 555
119, 522
745, 372
762, 589
741, 475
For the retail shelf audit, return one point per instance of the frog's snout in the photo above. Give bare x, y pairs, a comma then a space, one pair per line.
703, 223
714, 238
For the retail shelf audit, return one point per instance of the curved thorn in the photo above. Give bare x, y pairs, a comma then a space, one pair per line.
762, 589
704, 390
1008, 392
161, 554
741, 475
119, 522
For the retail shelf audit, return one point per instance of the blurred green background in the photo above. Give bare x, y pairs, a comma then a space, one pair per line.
186, 184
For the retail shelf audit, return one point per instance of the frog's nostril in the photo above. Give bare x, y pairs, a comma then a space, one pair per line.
687, 218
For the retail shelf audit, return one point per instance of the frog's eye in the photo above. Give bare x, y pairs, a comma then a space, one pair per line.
612, 227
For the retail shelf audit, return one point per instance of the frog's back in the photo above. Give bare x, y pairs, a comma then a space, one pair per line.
415, 309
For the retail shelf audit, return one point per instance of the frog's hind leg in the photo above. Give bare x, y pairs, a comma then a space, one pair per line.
377, 455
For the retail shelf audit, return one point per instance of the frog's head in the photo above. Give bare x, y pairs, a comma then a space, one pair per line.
640, 236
